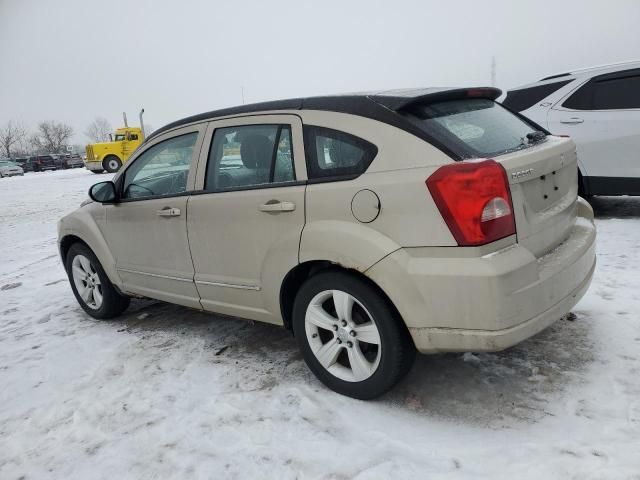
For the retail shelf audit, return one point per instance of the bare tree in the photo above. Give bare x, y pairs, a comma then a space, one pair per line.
99, 130
52, 136
11, 135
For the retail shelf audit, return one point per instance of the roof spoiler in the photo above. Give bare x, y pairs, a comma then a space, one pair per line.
397, 103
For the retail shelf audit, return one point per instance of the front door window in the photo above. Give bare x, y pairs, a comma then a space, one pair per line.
162, 170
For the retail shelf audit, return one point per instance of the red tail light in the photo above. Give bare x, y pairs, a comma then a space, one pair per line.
474, 200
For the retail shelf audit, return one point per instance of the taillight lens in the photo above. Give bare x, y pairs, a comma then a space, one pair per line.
474, 200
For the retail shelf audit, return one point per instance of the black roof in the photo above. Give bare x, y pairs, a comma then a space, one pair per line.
382, 106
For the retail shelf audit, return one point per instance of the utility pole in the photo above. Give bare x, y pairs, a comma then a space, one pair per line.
493, 71
242, 92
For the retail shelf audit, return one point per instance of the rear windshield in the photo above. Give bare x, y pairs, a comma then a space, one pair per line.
474, 128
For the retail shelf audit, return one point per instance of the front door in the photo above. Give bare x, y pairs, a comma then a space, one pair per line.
147, 229
245, 224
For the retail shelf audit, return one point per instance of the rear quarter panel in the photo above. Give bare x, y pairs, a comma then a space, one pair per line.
408, 215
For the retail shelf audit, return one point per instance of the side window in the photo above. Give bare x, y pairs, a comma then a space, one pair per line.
162, 169
618, 94
609, 92
519, 100
332, 153
248, 155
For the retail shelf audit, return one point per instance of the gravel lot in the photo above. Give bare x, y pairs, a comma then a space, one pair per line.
167, 392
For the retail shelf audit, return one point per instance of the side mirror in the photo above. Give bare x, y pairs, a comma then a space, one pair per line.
103, 192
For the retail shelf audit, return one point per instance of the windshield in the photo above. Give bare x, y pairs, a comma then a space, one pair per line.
4, 163
119, 137
476, 127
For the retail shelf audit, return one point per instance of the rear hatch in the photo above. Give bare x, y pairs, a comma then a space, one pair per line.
544, 188
541, 169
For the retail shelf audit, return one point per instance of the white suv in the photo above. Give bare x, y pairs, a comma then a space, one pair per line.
370, 225
599, 108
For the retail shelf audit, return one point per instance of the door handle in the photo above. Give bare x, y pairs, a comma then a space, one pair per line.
275, 206
169, 212
572, 120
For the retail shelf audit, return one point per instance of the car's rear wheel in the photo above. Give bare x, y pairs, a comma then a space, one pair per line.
350, 337
97, 171
91, 286
111, 164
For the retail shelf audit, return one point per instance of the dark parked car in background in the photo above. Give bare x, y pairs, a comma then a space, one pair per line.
40, 163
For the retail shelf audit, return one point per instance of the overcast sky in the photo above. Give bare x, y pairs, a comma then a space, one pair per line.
73, 60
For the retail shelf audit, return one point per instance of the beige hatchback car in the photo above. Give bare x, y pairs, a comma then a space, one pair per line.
371, 225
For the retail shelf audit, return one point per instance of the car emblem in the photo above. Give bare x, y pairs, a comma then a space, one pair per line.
522, 173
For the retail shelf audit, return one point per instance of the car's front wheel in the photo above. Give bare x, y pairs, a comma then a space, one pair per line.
91, 286
350, 337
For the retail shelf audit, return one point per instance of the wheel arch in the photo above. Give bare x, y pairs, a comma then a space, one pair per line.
65, 244
300, 273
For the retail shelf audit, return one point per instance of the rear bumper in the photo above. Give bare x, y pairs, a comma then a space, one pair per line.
488, 302
430, 340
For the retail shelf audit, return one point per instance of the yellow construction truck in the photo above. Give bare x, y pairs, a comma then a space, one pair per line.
111, 155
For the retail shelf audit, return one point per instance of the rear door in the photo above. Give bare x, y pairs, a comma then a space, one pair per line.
603, 118
245, 221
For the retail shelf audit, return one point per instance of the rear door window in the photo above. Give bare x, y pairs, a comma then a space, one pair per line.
250, 156
608, 92
336, 154
473, 128
524, 98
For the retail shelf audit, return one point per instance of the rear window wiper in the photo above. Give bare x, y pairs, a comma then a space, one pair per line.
536, 136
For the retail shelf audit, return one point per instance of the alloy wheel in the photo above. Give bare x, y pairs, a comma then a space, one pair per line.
343, 335
87, 281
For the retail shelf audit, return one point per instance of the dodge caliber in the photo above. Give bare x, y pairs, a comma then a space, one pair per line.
370, 225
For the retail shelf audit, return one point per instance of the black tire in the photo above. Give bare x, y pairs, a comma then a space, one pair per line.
111, 163
97, 171
113, 303
397, 348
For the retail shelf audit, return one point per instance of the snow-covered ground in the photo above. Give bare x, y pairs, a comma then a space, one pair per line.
166, 392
